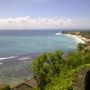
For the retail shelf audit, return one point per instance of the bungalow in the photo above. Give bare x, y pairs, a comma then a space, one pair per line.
27, 85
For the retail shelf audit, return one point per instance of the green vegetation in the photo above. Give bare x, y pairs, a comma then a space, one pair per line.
47, 66
52, 72
81, 46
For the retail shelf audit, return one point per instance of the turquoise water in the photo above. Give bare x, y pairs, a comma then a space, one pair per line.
27, 42
19, 48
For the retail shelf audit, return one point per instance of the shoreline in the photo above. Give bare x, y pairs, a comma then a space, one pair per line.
78, 38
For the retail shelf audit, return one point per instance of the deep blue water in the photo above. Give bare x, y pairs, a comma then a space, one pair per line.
20, 42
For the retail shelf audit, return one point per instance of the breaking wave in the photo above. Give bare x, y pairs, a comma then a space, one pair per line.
7, 58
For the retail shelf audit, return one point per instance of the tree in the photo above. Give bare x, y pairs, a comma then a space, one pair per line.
45, 66
57, 61
81, 46
40, 71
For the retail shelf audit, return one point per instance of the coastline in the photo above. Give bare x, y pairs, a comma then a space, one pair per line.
78, 38
25, 61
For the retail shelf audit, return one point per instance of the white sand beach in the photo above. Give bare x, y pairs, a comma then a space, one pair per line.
78, 38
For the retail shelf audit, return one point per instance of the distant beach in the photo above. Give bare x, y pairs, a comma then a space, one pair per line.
78, 38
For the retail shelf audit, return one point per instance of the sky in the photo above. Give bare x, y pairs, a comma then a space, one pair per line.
44, 14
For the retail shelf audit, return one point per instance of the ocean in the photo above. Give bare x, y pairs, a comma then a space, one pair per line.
18, 48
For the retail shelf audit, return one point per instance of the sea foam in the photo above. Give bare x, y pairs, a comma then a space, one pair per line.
24, 58
7, 58
58, 33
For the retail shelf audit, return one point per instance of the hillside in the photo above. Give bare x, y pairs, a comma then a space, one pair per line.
68, 67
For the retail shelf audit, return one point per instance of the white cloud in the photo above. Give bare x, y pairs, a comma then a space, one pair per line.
28, 22
42, 23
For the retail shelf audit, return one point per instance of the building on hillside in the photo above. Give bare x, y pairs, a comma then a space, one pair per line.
27, 85
22, 86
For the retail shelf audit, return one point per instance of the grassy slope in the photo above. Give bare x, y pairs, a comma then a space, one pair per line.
64, 80
73, 63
